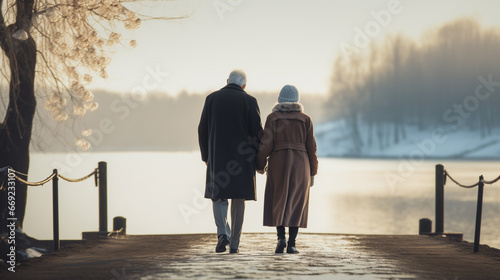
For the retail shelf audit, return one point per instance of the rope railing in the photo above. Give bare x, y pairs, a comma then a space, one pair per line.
492, 181
41, 183
21, 173
116, 232
100, 176
441, 176
95, 172
447, 175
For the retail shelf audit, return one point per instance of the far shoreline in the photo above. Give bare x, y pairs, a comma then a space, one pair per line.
353, 157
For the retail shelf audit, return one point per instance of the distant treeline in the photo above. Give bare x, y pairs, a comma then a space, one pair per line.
450, 79
156, 122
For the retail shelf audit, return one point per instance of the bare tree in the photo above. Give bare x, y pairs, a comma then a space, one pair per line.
427, 84
52, 49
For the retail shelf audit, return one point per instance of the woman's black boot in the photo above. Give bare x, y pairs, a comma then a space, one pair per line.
280, 248
290, 249
292, 232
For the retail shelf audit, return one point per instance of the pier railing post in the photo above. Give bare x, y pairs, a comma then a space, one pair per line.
55, 210
439, 198
478, 213
103, 197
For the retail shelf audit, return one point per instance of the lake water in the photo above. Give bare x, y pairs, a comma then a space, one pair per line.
162, 193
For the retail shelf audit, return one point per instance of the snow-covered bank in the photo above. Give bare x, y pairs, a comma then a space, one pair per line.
335, 139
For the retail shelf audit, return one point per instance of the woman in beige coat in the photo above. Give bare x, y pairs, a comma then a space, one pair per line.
288, 151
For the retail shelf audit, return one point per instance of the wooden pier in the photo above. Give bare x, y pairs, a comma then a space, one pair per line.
322, 256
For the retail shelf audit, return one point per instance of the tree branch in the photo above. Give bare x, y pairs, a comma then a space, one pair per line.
2, 22
24, 13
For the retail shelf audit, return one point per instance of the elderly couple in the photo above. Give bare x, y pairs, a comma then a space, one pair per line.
234, 145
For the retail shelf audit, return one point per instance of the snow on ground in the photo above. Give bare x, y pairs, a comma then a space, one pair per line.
335, 140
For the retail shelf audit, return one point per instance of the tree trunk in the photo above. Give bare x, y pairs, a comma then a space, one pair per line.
396, 130
15, 130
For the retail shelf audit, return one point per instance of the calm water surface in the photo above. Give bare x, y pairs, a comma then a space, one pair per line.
161, 193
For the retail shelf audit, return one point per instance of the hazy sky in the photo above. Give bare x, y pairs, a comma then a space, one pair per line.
275, 42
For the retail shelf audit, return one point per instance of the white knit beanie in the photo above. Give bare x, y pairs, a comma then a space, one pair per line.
288, 93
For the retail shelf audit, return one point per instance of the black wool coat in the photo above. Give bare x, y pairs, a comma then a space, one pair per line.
229, 136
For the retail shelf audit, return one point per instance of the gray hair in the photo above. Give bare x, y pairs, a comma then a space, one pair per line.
237, 77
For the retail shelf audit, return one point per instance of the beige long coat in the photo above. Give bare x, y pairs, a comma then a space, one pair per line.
288, 147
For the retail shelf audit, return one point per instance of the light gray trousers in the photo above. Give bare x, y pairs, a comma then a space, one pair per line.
237, 212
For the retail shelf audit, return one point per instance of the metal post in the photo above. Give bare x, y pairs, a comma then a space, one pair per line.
478, 213
55, 209
103, 197
439, 198
120, 224
425, 226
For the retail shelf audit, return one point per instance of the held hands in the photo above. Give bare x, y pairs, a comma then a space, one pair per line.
262, 171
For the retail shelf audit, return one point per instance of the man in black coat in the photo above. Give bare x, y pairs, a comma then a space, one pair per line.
229, 135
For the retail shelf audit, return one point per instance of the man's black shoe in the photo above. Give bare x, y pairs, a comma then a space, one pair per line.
222, 243
234, 251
